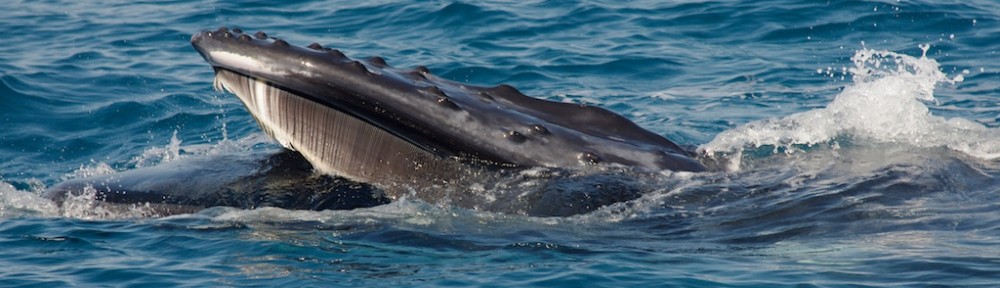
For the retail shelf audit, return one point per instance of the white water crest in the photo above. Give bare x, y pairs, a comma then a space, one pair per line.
17, 203
886, 104
86, 205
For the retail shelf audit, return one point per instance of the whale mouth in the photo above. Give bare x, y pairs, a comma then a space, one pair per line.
371, 122
334, 141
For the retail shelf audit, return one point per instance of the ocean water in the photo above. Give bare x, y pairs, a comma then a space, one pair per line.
856, 144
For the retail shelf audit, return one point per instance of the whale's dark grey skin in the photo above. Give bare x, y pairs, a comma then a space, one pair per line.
283, 180
286, 180
379, 133
373, 123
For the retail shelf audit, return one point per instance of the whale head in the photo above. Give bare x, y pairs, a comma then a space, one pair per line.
370, 122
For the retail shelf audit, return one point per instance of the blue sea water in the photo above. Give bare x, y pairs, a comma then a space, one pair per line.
857, 144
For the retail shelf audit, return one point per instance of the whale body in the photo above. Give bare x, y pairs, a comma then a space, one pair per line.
407, 131
373, 123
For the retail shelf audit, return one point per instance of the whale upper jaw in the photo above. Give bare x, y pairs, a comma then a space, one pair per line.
374, 123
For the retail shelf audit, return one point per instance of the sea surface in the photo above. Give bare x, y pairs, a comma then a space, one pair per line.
855, 144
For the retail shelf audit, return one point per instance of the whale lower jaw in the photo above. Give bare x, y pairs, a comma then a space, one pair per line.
334, 141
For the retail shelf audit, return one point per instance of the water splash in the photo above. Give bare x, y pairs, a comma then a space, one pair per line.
886, 104
158, 155
86, 205
95, 168
17, 203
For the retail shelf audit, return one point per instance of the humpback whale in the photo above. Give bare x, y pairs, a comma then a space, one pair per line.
407, 131
370, 122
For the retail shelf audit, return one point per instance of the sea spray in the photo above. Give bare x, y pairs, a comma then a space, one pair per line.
886, 103
158, 155
18, 203
85, 204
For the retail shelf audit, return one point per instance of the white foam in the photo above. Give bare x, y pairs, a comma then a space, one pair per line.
95, 168
886, 103
404, 212
87, 206
156, 155
84, 204
16, 203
